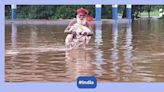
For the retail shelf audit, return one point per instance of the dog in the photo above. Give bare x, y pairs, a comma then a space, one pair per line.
79, 37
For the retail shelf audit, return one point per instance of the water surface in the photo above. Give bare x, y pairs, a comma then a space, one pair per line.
118, 52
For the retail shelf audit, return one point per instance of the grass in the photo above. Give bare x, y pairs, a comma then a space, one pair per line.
145, 13
152, 13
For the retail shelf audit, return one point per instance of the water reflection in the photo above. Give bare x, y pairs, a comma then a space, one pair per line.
127, 66
98, 52
115, 52
34, 56
128, 45
115, 41
14, 36
121, 69
79, 63
98, 33
14, 48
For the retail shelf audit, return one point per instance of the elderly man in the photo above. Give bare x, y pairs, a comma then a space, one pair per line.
78, 28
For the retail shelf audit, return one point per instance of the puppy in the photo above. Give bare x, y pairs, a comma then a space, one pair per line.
79, 37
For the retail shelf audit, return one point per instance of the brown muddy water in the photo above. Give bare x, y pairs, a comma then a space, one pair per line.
120, 52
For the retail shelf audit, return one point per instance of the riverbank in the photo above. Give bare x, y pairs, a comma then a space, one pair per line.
65, 21
56, 22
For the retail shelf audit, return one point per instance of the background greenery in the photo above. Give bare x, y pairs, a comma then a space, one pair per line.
69, 11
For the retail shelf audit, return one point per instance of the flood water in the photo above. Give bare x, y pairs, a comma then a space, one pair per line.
118, 52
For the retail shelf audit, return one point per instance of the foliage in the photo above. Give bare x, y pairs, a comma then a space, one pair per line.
47, 11
69, 11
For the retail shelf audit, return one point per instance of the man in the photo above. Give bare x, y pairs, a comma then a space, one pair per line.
81, 19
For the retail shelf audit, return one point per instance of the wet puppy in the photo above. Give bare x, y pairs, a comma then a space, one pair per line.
80, 36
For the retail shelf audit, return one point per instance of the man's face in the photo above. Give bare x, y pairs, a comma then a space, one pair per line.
82, 16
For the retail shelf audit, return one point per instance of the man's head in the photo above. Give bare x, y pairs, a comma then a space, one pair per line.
82, 13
